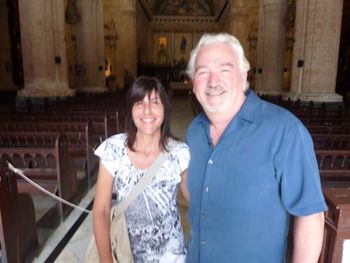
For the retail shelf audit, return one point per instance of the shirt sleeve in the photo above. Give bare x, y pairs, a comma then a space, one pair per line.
183, 156
110, 153
300, 180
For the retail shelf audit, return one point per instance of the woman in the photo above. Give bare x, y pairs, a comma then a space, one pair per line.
153, 219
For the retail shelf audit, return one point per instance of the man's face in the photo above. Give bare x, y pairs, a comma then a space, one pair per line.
218, 83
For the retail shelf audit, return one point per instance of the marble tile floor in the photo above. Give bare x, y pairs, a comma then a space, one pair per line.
55, 247
69, 241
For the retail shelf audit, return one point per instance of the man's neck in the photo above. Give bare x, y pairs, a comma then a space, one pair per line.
219, 121
216, 130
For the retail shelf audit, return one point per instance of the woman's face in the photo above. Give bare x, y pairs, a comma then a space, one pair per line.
148, 114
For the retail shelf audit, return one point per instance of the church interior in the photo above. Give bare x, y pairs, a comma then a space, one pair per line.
65, 66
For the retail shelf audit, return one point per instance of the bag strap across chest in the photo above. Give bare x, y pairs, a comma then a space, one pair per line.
146, 178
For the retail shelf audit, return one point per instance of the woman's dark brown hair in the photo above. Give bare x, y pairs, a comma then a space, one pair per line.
142, 87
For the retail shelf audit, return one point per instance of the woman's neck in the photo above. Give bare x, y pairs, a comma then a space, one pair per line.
146, 151
147, 143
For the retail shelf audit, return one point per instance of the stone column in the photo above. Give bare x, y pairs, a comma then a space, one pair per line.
252, 52
127, 43
90, 47
43, 49
5, 50
124, 13
271, 47
240, 24
315, 52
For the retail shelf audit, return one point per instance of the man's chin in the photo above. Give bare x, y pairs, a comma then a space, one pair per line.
214, 109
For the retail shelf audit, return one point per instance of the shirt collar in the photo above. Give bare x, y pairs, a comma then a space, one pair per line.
249, 113
251, 108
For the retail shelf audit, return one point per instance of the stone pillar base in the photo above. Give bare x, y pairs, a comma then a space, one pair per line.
315, 97
91, 89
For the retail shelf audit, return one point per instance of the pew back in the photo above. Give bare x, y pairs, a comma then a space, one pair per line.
50, 166
18, 235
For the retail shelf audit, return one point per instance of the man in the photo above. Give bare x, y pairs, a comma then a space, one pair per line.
252, 166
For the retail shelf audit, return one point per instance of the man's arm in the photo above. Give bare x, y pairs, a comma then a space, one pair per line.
308, 238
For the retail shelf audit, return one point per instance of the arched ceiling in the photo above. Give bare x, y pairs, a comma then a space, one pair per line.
183, 7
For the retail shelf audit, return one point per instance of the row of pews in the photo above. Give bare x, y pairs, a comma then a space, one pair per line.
329, 126
53, 146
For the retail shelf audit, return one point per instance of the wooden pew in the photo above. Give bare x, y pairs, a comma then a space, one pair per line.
49, 167
331, 141
18, 235
328, 129
102, 126
80, 145
53, 116
334, 164
337, 223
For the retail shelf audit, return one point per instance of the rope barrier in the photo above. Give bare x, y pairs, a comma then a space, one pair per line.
22, 175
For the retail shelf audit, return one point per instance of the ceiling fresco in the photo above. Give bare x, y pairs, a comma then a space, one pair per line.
183, 7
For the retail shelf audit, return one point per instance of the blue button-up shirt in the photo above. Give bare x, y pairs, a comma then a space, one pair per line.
242, 191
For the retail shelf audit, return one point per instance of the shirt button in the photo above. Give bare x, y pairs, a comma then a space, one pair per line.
204, 215
210, 161
204, 242
206, 189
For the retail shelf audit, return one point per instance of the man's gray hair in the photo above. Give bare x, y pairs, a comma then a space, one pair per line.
228, 39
